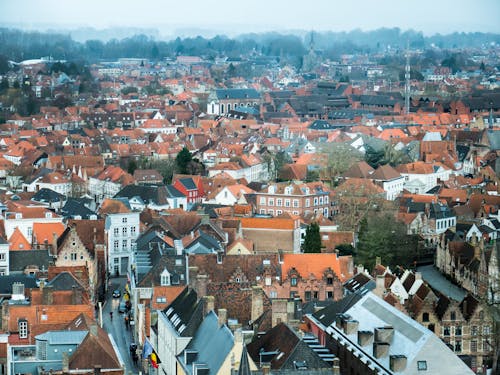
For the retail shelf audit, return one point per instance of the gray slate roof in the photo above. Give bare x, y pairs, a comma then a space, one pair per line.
213, 344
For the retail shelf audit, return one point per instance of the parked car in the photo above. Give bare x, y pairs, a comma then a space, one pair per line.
117, 293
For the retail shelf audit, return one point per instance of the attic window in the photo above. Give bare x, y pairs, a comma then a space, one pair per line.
422, 365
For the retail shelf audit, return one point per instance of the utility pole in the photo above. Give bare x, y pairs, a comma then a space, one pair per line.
407, 81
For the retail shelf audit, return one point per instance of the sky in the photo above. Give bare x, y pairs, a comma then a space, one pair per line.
235, 16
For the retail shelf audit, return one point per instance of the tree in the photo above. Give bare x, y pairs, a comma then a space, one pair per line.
165, 167
132, 166
182, 160
129, 90
356, 199
4, 84
341, 157
312, 240
386, 238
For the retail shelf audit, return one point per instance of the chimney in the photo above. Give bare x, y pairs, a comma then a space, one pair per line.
397, 363
266, 369
192, 273
336, 366
222, 315
350, 326
380, 285
190, 356
365, 338
257, 303
418, 276
209, 304
47, 295
380, 349
201, 285
76, 295
93, 330
65, 362
384, 334
238, 335
54, 244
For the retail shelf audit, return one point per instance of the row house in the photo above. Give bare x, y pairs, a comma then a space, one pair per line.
190, 186
384, 176
473, 265
251, 168
108, 183
421, 177
294, 198
269, 235
122, 226
465, 326
23, 217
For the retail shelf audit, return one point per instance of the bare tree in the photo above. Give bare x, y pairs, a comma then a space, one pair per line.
356, 198
341, 156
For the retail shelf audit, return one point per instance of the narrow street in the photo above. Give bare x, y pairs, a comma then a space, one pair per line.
116, 327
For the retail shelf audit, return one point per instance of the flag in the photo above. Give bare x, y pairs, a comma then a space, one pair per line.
147, 350
154, 360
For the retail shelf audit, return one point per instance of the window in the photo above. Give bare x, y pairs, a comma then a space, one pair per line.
161, 299
279, 212
481, 315
268, 281
115, 245
124, 231
307, 295
116, 231
431, 327
329, 280
293, 281
124, 244
165, 278
453, 316
279, 202
326, 199
2, 256
295, 203
132, 231
473, 346
473, 331
320, 200
315, 295
486, 330
308, 202
73, 256
329, 294
287, 202
425, 317
178, 262
458, 346
273, 294
23, 328
315, 201
446, 331
270, 202
262, 200
270, 212
422, 365
458, 331
124, 220
486, 346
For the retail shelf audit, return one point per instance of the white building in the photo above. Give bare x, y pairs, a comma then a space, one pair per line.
421, 177
121, 229
390, 180
23, 218
4, 257
374, 336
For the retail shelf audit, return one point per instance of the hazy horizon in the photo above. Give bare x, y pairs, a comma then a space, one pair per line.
208, 18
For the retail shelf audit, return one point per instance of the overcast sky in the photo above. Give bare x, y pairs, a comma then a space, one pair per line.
236, 16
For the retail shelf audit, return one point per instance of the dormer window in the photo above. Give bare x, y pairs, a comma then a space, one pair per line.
48, 215
23, 328
293, 281
165, 278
